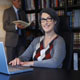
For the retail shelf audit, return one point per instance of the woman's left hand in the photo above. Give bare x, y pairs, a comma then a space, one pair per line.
29, 63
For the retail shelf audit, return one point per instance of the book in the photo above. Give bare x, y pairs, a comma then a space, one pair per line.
75, 62
23, 23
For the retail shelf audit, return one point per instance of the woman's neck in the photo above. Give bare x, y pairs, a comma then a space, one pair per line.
50, 35
48, 38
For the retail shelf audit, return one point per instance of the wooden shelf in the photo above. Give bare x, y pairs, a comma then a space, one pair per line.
76, 50
59, 8
72, 7
76, 29
30, 11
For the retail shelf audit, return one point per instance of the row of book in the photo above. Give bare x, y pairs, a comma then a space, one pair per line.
74, 18
31, 4
50, 3
32, 16
44, 3
73, 2
76, 44
60, 12
58, 3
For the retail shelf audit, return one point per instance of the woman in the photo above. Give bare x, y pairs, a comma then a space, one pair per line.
48, 50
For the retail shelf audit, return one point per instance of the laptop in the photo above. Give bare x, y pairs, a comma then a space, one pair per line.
4, 77
5, 68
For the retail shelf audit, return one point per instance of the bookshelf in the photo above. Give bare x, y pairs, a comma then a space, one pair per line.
74, 8
70, 8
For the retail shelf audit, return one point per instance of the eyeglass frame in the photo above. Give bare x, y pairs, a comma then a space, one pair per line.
49, 19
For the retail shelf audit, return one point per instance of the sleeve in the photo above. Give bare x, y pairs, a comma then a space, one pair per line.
28, 53
57, 58
7, 24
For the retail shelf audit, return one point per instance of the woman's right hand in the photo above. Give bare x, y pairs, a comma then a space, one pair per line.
15, 62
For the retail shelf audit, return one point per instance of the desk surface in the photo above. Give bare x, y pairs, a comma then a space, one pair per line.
44, 74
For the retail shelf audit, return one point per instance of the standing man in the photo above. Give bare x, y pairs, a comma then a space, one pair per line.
15, 40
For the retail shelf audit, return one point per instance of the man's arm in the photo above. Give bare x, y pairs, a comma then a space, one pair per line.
7, 23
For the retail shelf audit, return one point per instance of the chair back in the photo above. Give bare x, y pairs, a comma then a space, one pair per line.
65, 31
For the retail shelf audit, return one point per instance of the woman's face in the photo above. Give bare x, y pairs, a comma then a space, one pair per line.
47, 22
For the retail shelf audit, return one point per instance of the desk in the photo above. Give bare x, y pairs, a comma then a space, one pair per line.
44, 74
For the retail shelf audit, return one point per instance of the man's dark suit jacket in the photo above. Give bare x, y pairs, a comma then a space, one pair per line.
12, 36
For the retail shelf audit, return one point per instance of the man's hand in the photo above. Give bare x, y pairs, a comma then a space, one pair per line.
20, 26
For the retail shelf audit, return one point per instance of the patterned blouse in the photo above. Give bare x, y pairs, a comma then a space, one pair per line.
42, 53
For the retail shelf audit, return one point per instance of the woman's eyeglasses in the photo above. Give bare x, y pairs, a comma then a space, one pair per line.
46, 19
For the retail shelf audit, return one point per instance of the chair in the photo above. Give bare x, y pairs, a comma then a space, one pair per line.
65, 31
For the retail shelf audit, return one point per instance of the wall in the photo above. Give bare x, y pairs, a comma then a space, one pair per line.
3, 5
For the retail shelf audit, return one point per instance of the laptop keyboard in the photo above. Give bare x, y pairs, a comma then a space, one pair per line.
17, 68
